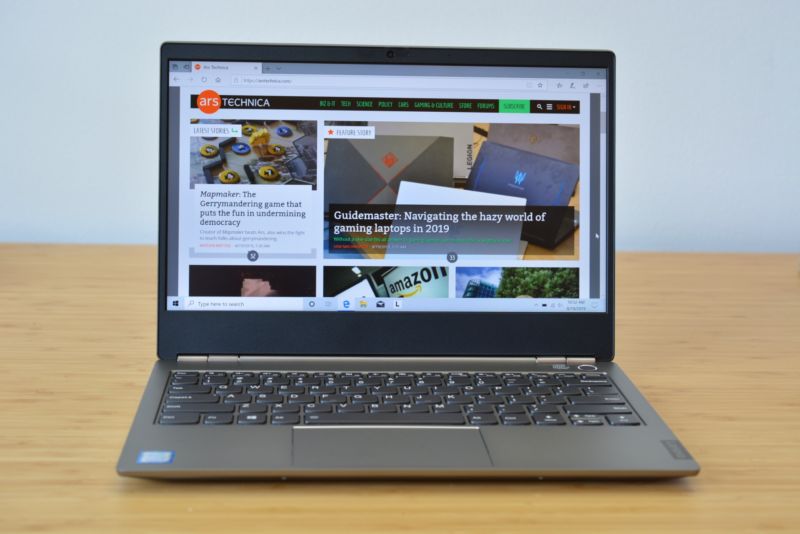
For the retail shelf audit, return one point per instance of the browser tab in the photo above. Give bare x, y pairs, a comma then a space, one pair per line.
221, 67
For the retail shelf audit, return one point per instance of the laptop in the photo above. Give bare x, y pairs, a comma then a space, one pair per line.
277, 359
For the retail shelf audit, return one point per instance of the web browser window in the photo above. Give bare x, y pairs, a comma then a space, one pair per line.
386, 188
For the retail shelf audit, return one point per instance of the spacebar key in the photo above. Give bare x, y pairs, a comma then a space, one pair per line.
385, 419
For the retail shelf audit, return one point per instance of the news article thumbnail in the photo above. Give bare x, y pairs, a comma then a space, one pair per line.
386, 282
516, 282
251, 281
436, 171
254, 152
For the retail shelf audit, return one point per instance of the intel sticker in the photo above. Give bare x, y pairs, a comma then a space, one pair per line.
155, 457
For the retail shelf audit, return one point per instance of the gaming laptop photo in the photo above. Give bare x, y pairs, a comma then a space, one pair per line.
345, 283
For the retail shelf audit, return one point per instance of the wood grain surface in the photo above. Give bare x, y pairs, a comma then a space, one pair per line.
713, 341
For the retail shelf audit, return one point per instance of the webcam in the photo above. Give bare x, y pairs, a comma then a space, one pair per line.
390, 54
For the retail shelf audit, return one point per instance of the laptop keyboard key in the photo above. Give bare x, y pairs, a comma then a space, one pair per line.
382, 408
515, 419
600, 390
353, 390
317, 408
232, 398
182, 390
476, 390
459, 380
300, 399
482, 419
332, 399
623, 420
428, 399
252, 408
507, 390
598, 399
252, 419
364, 399
218, 419
543, 409
179, 419
292, 390
396, 399
351, 408
459, 399
285, 419
245, 381
260, 388
174, 407
548, 419
414, 390
184, 381
190, 398
596, 409
275, 381
522, 399
510, 408
553, 399
225, 389
479, 408
267, 398
586, 420
286, 408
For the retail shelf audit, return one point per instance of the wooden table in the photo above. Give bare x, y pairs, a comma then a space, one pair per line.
712, 340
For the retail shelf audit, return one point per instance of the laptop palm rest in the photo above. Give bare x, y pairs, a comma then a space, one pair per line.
388, 447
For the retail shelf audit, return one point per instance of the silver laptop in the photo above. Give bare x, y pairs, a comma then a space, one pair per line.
413, 334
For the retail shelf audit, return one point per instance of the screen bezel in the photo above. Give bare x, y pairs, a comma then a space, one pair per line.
397, 333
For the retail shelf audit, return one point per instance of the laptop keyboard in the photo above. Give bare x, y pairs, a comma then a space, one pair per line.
327, 398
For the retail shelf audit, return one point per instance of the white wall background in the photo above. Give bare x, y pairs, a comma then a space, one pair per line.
708, 104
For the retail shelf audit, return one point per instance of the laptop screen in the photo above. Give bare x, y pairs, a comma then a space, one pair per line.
359, 188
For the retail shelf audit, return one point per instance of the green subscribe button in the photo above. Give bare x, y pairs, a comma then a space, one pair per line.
515, 106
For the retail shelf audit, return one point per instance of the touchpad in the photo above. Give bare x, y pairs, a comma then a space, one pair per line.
362, 447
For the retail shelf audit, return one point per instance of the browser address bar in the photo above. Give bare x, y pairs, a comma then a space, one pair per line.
389, 82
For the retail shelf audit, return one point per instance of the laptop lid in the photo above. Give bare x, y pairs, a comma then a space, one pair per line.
320, 200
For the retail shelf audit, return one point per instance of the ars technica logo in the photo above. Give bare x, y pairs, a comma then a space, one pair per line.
209, 101
519, 178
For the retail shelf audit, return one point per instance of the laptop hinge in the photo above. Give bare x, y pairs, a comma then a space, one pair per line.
211, 358
565, 360
231, 358
223, 358
192, 358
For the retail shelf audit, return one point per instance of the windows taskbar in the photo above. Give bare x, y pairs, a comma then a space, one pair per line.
387, 305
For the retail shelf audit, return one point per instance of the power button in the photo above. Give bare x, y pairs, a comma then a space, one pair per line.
587, 367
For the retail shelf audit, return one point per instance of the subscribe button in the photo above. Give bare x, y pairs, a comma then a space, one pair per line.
515, 106
216, 130
349, 132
